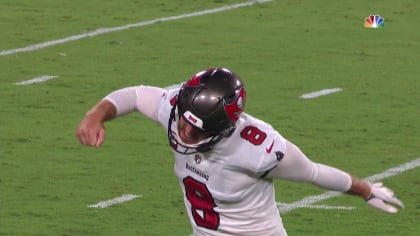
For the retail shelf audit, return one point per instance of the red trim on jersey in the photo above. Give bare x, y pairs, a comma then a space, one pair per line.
173, 101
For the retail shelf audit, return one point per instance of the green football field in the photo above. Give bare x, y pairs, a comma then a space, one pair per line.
58, 58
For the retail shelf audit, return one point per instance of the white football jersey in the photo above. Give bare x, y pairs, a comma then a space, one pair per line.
225, 192
229, 189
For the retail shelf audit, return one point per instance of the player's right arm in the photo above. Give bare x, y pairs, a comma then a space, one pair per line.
144, 99
91, 129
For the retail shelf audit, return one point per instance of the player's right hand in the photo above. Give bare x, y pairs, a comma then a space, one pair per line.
384, 199
91, 132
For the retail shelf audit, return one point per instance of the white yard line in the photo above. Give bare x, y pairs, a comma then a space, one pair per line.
307, 201
319, 93
118, 200
39, 79
322, 206
125, 27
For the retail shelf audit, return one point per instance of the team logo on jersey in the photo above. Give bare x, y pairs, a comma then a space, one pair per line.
197, 159
279, 155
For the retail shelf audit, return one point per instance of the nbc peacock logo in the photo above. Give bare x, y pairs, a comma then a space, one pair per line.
374, 22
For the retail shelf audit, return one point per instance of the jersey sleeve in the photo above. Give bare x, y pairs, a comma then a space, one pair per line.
144, 99
295, 166
270, 153
255, 147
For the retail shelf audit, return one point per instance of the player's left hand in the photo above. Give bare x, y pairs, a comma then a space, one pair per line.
384, 199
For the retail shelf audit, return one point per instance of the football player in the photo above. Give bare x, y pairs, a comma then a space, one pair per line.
225, 159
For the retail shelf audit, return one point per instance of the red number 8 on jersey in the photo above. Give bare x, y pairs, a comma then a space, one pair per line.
201, 202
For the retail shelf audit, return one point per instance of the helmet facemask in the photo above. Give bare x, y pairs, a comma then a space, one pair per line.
184, 148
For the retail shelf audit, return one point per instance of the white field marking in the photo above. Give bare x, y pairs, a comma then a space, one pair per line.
117, 200
125, 27
39, 79
327, 207
320, 93
330, 194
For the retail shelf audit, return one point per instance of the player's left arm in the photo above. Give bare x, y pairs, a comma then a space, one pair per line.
295, 166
